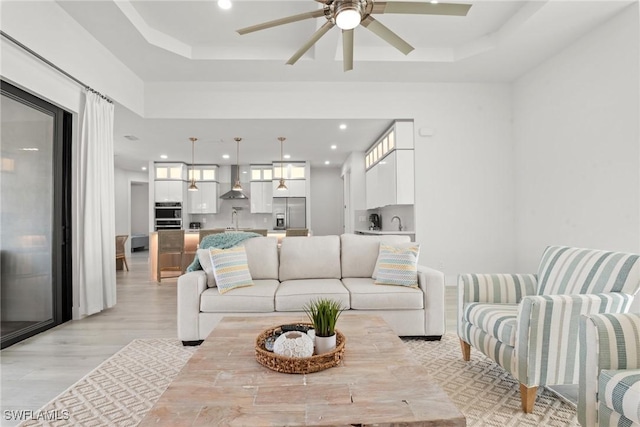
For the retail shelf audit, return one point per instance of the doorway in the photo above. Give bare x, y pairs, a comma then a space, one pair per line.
35, 215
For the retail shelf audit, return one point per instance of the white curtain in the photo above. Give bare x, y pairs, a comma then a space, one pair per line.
96, 225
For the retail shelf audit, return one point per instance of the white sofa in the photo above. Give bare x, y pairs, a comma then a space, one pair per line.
305, 268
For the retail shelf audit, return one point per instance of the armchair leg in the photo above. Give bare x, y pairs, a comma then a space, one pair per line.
528, 397
466, 350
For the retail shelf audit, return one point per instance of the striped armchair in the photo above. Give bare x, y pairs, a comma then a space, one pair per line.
528, 323
609, 393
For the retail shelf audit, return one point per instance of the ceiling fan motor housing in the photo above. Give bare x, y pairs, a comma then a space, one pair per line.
362, 7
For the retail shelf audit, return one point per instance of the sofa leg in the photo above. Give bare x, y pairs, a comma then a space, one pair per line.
466, 350
528, 397
191, 343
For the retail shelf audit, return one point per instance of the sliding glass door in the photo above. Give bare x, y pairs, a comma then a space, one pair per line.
35, 286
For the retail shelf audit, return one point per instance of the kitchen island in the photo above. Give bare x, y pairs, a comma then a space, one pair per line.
191, 241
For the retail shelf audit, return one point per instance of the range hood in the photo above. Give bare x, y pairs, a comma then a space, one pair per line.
233, 194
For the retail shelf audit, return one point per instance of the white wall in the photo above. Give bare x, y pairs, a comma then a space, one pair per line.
576, 131
326, 194
354, 166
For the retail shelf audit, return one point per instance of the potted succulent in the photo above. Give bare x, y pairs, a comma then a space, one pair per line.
323, 314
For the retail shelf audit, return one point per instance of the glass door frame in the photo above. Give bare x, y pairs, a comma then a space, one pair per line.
61, 274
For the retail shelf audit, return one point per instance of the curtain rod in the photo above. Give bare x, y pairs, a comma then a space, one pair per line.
52, 65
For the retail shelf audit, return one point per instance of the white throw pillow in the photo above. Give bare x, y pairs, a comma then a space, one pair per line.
205, 262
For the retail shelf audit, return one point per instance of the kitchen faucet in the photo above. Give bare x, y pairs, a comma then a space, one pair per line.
234, 215
399, 222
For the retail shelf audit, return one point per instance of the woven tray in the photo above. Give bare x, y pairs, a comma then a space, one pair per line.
298, 365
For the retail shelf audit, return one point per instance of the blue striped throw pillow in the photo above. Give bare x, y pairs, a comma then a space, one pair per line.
397, 265
230, 268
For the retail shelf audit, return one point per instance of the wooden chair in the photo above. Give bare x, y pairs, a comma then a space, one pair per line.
261, 231
294, 232
120, 254
205, 233
170, 242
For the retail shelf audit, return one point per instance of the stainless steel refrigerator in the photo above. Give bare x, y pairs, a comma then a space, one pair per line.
294, 210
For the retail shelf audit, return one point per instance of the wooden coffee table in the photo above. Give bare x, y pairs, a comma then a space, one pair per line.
379, 382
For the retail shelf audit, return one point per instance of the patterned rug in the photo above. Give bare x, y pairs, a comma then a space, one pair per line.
121, 390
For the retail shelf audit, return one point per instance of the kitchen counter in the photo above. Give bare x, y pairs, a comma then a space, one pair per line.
388, 233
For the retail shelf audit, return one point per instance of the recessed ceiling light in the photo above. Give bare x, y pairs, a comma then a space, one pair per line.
164, 156
287, 156
29, 149
333, 147
224, 4
244, 171
144, 168
343, 126
326, 162
434, 2
225, 156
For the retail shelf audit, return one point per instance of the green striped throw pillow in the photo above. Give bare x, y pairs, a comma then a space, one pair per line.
230, 268
397, 265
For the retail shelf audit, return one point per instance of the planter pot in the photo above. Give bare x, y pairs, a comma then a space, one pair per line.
325, 344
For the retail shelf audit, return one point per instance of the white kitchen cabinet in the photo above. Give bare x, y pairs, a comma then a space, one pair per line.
205, 200
170, 171
295, 188
261, 197
391, 180
169, 191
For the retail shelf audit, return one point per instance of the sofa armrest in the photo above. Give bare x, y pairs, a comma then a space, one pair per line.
431, 282
190, 286
547, 334
607, 341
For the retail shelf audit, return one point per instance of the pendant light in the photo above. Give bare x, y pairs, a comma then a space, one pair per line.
193, 186
282, 185
237, 186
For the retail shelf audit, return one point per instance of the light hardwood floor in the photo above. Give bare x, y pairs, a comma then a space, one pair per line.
38, 369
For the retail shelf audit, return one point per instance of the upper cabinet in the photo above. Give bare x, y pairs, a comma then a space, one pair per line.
171, 171
261, 198
295, 188
290, 170
261, 172
205, 200
390, 168
169, 191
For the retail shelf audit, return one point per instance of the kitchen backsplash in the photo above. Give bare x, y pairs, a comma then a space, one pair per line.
405, 212
223, 218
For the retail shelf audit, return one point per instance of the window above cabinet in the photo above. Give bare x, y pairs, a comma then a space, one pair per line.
261, 172
203, 172
398, 136
290, 170
170, 171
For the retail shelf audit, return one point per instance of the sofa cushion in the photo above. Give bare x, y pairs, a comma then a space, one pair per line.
359, 253
566, 270
365, 295
314, 257
497, 320
293, 295
231, 269
620, 391
252, 299
204, 257
397, 265
262, 255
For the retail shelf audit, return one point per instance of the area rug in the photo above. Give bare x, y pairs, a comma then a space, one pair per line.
121, 390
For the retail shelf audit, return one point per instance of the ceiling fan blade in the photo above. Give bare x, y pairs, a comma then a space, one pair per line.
289, 19
347, 49
453, 9
386, 34
314, 38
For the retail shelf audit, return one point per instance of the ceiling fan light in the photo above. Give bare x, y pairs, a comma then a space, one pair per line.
224, 4
348, 18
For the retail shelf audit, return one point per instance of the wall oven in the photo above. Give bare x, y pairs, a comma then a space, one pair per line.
168, 216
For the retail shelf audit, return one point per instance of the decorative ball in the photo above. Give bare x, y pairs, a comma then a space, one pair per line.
293, 344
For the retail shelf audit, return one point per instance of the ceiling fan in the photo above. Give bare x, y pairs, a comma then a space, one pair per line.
348, 14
